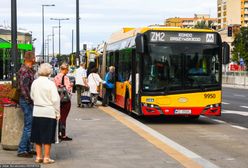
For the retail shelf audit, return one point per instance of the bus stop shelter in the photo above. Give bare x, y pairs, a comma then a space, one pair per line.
5, 57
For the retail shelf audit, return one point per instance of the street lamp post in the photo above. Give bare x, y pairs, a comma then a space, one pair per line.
43, 28
14, 49
72, 40
77, 33
59, 19
48, 39
46, 49
54, 27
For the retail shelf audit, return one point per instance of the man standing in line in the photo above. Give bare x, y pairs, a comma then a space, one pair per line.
25, 78
81, 83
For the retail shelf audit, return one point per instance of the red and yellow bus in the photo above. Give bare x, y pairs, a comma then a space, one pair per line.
167, 71
91, 58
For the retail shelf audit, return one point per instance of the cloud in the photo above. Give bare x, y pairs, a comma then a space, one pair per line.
99, 18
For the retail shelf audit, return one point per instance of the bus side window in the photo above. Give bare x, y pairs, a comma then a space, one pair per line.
109, 60
119, 67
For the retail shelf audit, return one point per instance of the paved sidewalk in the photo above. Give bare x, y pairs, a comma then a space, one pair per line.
99, 141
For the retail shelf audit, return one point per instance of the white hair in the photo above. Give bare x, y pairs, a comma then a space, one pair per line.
45, 69
112, 68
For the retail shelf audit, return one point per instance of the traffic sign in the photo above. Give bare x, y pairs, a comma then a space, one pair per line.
241, 61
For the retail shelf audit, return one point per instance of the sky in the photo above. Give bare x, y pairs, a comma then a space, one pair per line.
98, 18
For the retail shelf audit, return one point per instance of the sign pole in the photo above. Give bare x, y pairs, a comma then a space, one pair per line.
14, 49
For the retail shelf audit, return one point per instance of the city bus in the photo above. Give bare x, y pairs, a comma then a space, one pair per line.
167, 70
91, 59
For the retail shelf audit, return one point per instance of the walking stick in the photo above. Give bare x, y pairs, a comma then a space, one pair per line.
57, 133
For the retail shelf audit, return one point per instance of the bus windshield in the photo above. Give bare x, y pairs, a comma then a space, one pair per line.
170, 67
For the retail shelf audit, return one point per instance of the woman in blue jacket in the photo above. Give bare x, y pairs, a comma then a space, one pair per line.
109, 78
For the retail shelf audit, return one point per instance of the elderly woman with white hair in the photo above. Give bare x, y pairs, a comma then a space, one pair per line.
110, 85
45, 113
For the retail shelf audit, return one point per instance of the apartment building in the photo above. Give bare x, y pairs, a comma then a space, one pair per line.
191, 22
244, 13
23, 36
232, 12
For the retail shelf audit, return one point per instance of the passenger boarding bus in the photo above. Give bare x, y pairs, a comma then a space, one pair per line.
167, 71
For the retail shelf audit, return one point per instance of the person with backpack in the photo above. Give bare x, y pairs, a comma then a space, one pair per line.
65, 106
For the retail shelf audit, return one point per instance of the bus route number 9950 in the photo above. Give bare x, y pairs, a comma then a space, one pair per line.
157, 36
210, 96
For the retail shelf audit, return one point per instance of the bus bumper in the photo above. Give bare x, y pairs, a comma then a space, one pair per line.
181, 111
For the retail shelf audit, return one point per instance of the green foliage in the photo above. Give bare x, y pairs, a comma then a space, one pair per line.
240, 46
62, 58
203, 24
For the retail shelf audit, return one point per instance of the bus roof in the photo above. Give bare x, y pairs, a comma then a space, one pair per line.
128, 32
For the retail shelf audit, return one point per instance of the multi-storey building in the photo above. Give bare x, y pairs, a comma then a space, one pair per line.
191, 22
244, 13
24, 40
23, 36
232, 12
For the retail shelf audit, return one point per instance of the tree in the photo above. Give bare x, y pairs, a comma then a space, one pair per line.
240, 46
201, 25
62, 58
204, 25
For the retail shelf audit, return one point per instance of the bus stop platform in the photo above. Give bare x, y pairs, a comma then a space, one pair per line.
106, 138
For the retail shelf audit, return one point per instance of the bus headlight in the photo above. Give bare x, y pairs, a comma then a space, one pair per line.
213, 105
151, 105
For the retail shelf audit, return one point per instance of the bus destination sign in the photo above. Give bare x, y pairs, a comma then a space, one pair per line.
182, 37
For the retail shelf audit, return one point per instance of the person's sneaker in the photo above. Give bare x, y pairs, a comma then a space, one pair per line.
25, 154
66, 138
32, 152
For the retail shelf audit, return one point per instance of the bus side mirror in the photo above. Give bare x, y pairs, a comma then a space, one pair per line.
140, 44
226, 53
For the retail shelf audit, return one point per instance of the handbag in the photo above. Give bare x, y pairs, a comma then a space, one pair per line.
14, 94
63, 93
